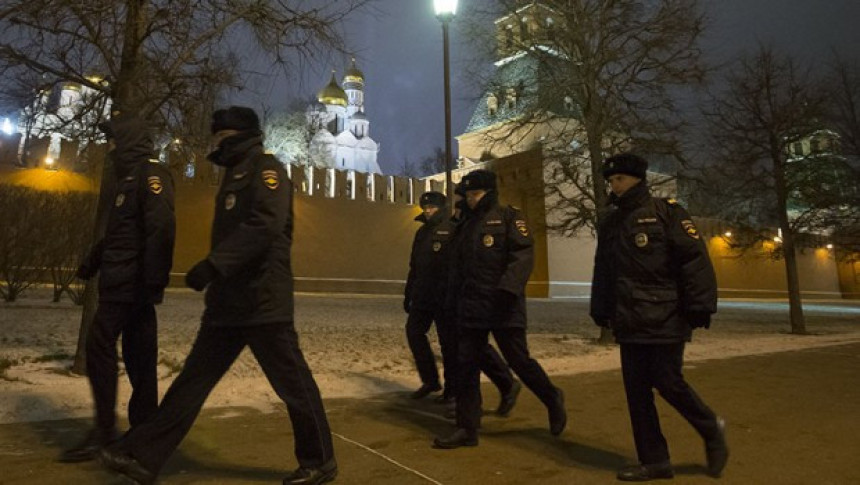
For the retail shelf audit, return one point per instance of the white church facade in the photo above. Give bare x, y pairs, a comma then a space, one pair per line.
341, 128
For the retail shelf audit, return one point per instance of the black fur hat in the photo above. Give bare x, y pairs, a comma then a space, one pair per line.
237, 118
432, 198
479, 180
626, 163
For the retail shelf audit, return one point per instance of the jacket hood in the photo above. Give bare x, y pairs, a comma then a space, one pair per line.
133, 141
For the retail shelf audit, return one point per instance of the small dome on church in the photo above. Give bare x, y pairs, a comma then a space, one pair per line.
353, 75
332, 94
359, 115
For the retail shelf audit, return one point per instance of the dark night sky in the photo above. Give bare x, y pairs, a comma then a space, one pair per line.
399, 49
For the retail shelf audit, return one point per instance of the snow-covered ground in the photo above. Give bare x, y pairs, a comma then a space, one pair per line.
356, 346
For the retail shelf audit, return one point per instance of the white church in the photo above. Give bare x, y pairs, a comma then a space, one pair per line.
341, 129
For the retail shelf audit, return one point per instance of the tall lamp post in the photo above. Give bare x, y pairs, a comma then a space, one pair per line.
445, 10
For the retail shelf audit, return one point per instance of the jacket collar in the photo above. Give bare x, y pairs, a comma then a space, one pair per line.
238, 148
635, 196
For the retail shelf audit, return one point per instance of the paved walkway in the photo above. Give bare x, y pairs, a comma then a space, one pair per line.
793, 418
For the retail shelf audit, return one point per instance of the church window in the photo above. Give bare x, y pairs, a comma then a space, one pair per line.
492, 104
797, 148
511, 98
371, 189
189, 170
814, 145
568, 103
525, 34
350, 184
509, 37
390, 189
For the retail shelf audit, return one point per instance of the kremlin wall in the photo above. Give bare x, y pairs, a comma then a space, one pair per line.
353, 233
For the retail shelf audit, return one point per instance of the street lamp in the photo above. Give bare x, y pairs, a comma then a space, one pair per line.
445, 10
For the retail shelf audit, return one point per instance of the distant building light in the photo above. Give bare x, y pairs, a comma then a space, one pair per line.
728, 234
49, 162
7, 127
777, 239
829, 246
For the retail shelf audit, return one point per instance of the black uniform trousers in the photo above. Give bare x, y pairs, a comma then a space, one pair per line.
512, 343
490, 362
417, 326
137, 324
648, 366
276, 348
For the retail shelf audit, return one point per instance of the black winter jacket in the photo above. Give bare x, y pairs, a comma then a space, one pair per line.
653, 280
252, 236
494, 258
428, 263
135, 255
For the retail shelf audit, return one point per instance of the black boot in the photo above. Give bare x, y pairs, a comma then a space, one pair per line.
89, 448
312, 476
717, 451
126, 466
645, 473
461, 437
509, 400
557, 414
425, 390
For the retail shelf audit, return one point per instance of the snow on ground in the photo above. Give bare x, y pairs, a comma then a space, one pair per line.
356, 347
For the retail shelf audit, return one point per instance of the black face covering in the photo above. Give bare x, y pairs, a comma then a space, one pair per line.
234, 149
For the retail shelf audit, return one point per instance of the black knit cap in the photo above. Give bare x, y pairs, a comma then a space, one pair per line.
479, 180
626, 163
237, 118
432, 198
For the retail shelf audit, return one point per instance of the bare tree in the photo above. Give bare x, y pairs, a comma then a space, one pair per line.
582, 80
160, 59
597, 79
778, 163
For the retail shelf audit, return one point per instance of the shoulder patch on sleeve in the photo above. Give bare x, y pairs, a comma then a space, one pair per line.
690, 228
671, 201
522, 227
154, 183
271, 179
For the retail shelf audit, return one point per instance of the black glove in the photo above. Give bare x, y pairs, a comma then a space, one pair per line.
407, 305
504, 301
699, 319
85, 272
200, 275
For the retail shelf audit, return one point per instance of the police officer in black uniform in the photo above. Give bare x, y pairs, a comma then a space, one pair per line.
495, 258
424, 296
134, 260
653, 283
249, 302
489, 360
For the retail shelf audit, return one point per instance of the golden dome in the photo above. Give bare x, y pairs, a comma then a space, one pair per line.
332, 93
353, 75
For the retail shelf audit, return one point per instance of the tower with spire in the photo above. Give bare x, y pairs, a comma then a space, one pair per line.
525, 48
342, 130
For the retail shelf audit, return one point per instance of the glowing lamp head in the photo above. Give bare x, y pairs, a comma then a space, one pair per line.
7, 127
445, 8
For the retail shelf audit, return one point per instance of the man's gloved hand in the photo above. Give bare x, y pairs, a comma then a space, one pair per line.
200, 275
407, 305
85, 272
699, 319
